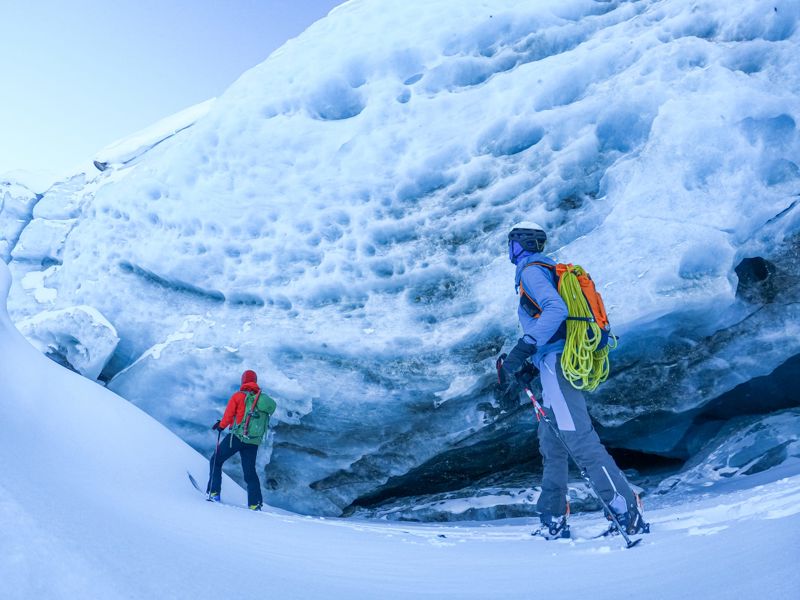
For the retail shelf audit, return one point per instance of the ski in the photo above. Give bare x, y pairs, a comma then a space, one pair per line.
546, 535
560, 532
608, 532
612, 531
193, 481
196, 486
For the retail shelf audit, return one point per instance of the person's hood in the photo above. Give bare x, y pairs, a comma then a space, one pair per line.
249, 382
250, 386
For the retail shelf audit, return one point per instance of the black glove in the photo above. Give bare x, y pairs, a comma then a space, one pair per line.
518, 356
527, 374
216, 427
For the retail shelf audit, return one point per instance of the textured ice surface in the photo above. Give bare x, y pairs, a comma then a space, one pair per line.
101, 498
743, 447
43, 240
481, 503
337, 222
79, 337
16, 204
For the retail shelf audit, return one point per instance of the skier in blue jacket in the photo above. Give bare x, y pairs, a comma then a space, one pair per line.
542, 315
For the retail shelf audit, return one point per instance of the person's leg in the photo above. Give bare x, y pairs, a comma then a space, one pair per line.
575, 427
248, 453
553, 499
223, 453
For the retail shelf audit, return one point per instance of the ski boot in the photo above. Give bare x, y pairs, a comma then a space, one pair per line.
630, 518
214, 497
553, 527
255, 506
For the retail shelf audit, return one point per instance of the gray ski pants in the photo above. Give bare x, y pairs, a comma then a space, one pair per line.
566, 407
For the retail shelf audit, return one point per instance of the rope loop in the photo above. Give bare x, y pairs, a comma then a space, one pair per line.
584, 366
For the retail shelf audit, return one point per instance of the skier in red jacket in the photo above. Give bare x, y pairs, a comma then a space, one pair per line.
247, 414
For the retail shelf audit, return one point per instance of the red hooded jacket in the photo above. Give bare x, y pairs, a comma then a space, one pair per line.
234, 413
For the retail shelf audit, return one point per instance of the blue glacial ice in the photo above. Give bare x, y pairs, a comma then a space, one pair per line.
336, 221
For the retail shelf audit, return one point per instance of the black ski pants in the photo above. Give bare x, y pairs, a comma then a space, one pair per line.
229, 446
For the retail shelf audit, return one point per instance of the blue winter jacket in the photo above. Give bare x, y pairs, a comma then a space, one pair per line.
549, 330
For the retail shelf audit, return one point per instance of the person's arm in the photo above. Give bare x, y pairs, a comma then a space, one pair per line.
539, 286
230, 411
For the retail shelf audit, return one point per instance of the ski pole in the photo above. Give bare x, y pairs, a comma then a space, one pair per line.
213, 465
541, 415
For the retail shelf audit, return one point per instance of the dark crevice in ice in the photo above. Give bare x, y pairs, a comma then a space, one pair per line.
242, 299
506, 452
756, 280
174, 285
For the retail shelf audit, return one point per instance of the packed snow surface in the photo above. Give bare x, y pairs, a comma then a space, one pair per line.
99, 506
337, 219
125, 150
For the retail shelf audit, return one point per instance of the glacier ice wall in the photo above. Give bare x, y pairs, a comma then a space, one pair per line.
336, 220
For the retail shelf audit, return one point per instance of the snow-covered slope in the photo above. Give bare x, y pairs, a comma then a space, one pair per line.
95, 503
337, 219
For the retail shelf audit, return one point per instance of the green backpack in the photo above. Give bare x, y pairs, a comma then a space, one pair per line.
257, 409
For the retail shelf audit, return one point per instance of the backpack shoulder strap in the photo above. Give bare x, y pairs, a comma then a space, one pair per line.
556, 270
531, 306
541, 264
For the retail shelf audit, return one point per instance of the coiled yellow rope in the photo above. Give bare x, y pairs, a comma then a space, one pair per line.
584, 366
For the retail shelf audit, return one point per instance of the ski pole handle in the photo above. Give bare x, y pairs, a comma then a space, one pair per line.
540, 414
499, 366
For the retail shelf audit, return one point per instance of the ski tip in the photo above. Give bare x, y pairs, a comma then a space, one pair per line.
193, 481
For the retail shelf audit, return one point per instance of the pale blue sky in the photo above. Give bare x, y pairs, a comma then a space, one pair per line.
76, 75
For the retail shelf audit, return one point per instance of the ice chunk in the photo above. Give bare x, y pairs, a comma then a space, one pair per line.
16, 205
35, 281
43, 239
79, 336
743, 447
